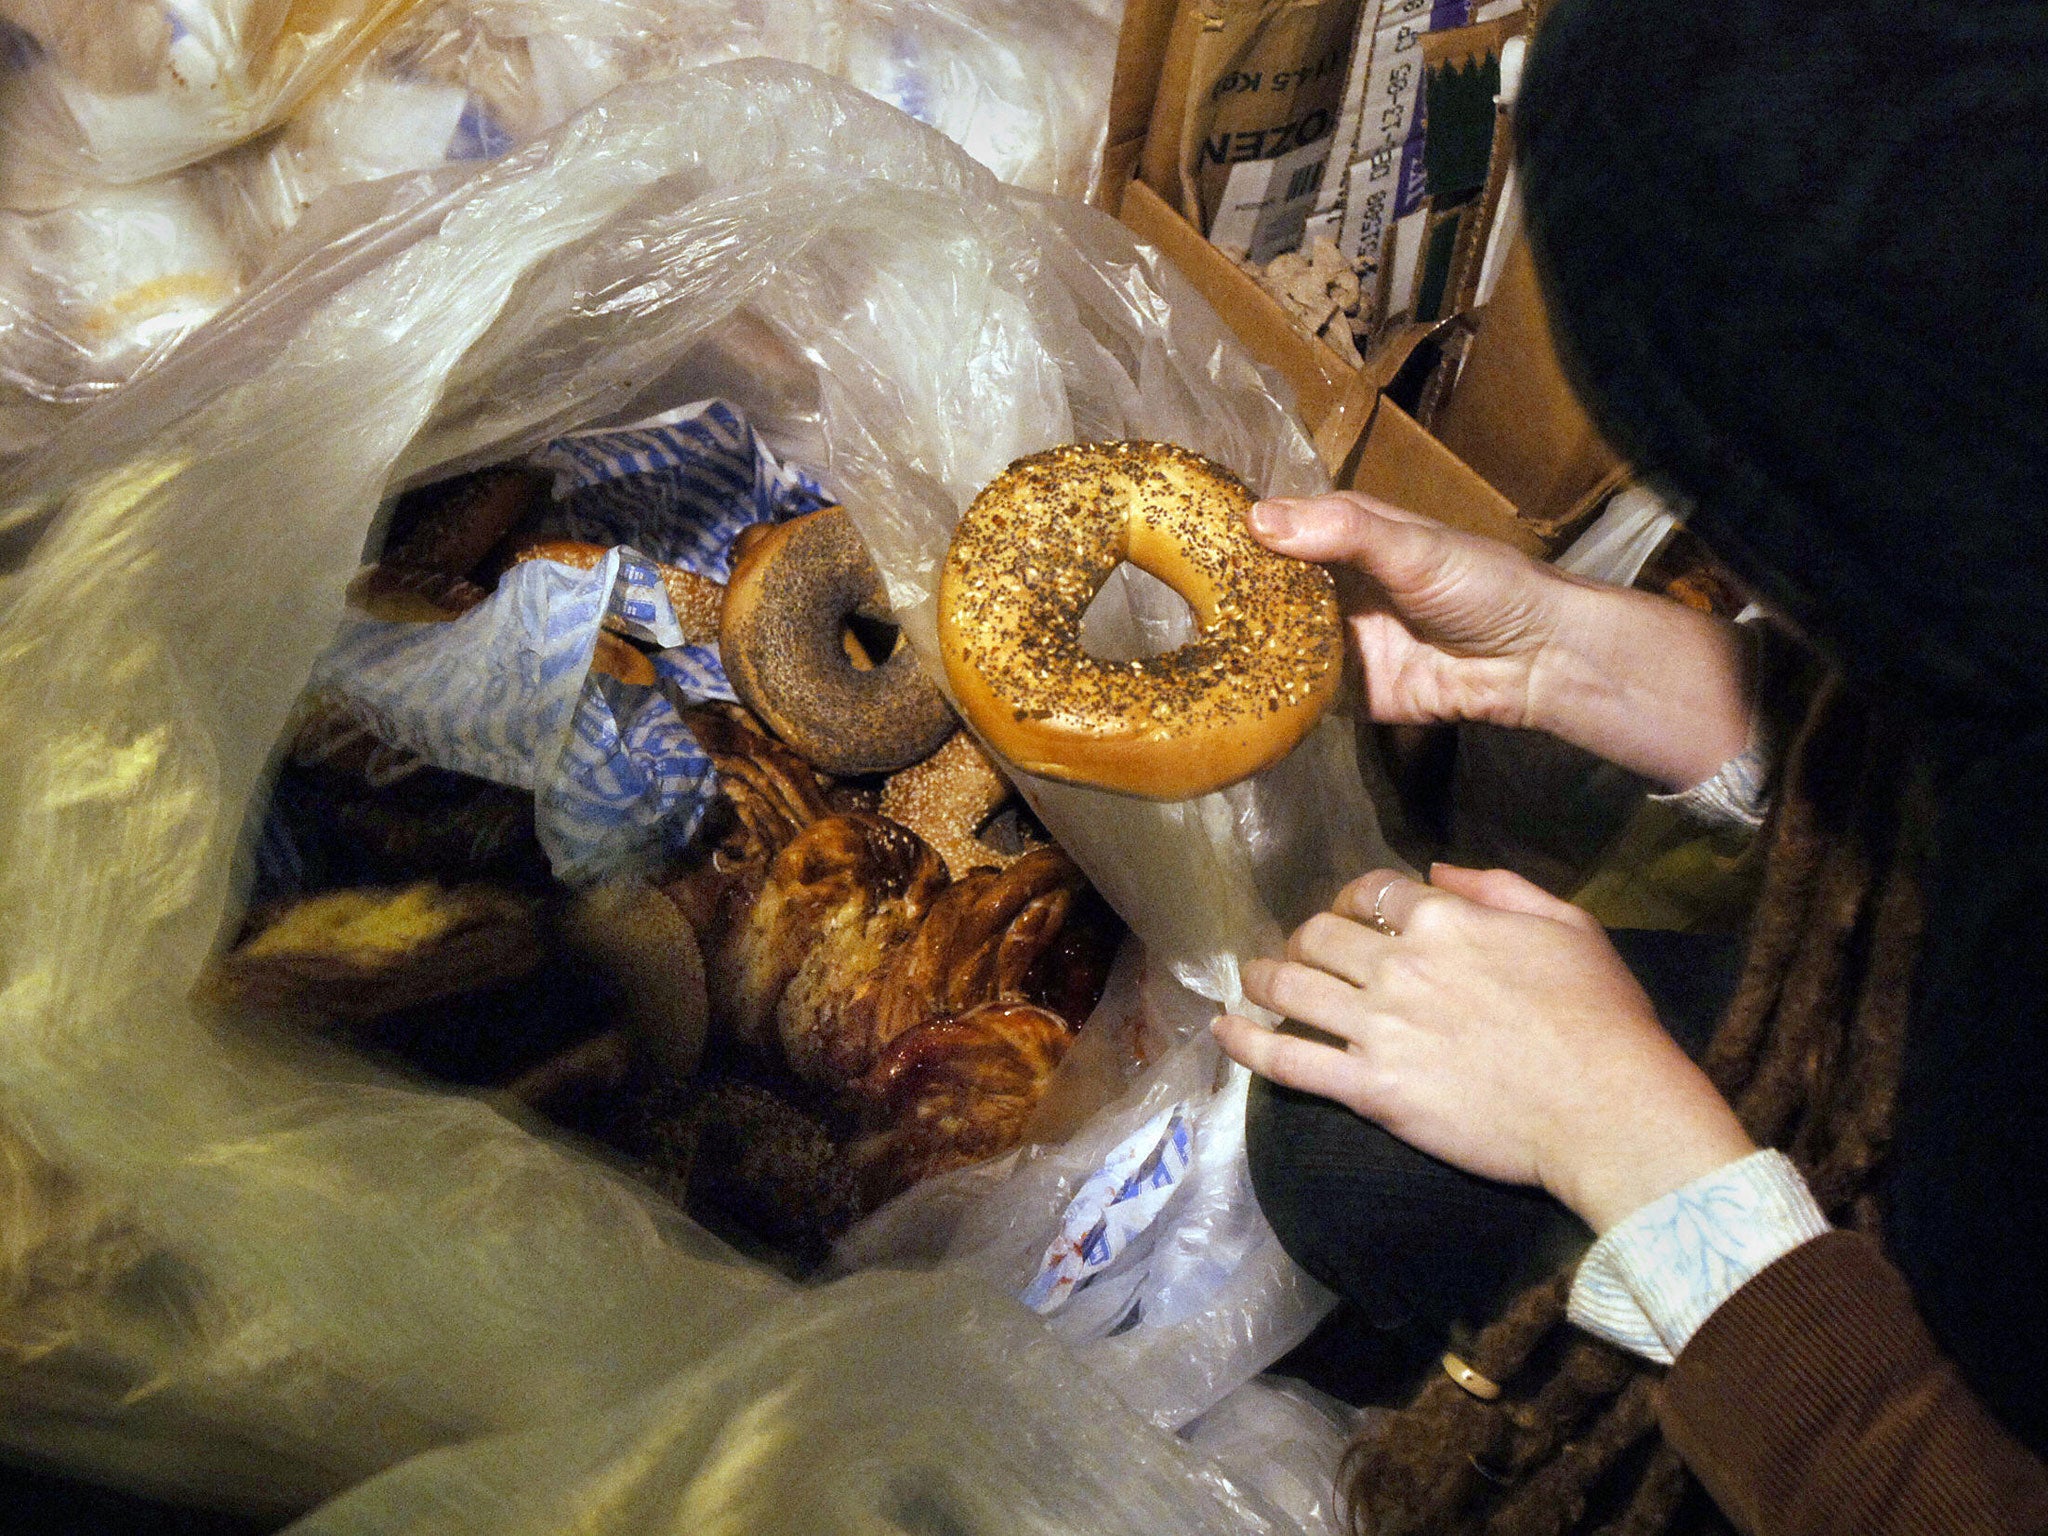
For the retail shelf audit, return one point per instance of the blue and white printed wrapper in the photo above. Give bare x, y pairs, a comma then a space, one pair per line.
680, 487
506, 692
1115, 1207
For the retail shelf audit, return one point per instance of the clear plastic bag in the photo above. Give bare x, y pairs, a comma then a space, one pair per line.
260, 1272
1285, 1439
1620, 541
1178, 1305
95, 292
154, 154
116, 91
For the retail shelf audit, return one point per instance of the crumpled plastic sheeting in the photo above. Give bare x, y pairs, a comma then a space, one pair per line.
1287, 1440
114, 91
259, 1272
99, 290
159, 152
836, 1414
120, 90
1177, 1313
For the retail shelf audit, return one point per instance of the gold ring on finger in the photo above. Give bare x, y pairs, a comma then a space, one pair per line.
1379, 915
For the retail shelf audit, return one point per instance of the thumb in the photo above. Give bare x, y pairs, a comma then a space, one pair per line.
1395, 548
1505, 891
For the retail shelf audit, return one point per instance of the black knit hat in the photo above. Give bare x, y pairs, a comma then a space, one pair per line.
1797, 257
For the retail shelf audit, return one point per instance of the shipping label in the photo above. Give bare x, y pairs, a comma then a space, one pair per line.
1266, 204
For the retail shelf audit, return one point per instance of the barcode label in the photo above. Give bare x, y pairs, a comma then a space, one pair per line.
1266, 203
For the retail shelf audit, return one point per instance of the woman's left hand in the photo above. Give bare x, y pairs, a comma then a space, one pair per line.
1495, 1028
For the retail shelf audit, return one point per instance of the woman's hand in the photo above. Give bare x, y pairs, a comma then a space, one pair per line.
1451, 626
1496, 1029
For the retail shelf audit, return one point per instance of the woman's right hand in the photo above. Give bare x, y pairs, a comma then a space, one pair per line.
1451, 626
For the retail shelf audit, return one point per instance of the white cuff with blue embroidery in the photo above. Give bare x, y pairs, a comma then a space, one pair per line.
1739, 793
1654, 1277
1737, 796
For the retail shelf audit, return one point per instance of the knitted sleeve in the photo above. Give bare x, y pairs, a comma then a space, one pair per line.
1813, 1402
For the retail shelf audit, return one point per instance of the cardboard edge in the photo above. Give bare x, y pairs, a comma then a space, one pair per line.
1140, 57
1320, 378
1513, 415
1398, 462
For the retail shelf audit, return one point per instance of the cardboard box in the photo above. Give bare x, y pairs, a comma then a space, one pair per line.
1318, 375
1243, 119
1369, 443
1513, 416
1512, 436
1140, 56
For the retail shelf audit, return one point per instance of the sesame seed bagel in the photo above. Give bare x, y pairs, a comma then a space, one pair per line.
946, 799
782, 639
1031, 554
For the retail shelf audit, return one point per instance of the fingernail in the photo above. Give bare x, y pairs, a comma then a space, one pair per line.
1274, 519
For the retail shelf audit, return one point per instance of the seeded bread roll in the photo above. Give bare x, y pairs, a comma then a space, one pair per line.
945, 800
1031, 554
782, 639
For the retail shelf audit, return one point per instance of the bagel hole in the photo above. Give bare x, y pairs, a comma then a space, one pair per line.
868, 642
1135, 615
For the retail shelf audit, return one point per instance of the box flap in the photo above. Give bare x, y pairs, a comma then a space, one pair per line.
1318, 375
1401, 463
1512, 415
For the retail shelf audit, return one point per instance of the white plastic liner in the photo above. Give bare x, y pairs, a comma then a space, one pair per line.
239, 1268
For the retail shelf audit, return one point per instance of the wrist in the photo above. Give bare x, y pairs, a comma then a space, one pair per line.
1606, 1183
1644, 682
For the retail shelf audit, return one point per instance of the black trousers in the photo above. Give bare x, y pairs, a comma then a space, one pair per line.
1419, 1250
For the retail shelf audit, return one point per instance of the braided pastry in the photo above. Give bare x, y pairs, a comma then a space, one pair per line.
768, 796
858, 944
955, 1091
837, 902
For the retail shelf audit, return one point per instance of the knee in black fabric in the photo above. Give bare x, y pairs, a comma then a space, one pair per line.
1690, 978
1411, 1240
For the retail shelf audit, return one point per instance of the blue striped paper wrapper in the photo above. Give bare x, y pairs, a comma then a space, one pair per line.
1115, 1206
679, 487
506, 691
